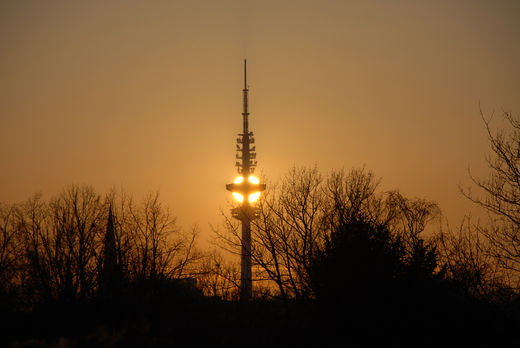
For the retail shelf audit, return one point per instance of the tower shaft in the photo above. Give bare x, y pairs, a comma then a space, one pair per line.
246, 276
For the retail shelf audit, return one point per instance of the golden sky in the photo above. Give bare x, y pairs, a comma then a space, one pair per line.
146, 95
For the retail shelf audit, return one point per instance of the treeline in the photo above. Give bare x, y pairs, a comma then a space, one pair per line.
302, 217
61, 250
68, 248
324, 246
331, 252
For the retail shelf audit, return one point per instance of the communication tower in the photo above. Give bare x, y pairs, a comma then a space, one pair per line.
246, 189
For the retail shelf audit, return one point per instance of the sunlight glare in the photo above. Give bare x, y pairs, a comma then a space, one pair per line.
253, 179
254, 197
238, 197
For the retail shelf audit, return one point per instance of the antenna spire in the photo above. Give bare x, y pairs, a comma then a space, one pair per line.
245, 73
245, 113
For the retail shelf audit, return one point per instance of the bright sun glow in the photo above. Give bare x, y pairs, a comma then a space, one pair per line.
253, 197
238, 179
239, 197
253, 179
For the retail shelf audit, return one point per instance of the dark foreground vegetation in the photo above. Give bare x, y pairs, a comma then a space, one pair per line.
337, 262
441, 319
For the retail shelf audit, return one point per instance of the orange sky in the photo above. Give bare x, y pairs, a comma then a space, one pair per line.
147, 94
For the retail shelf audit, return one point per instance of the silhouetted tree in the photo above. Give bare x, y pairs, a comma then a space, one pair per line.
374, 242
62, 243
372, 287
218, 277
9, 255
159, 250
290, 226
411, 219
357, 263
466, 260
500, 196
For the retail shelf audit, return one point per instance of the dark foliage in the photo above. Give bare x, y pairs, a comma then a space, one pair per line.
369, 290
358, 263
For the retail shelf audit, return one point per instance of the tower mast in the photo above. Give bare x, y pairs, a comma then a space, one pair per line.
246, 186
246, 282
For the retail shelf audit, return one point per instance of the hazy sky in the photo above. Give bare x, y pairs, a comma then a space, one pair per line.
146, 95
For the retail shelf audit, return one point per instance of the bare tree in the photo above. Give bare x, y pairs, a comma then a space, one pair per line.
466, 260
284, 234
9, 246
61, 243
218, 277
410, 219
159, 249
353, 196
35, 277
499, 194
288, 230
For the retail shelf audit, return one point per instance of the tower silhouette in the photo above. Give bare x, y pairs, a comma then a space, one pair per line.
246, 189
110, 273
